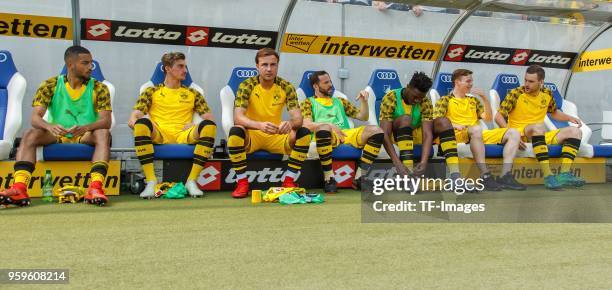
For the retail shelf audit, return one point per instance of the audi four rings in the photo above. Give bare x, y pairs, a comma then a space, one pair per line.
509, 80
386, 75
246, 73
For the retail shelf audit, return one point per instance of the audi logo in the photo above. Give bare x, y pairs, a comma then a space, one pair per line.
550, 87
3, 57
245, 73
93, 66
509, 80
386, 75
445, 78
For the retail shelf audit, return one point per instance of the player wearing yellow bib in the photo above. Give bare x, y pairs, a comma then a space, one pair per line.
327, 117
79, 111
163, 115
525, 109
406, 118
464, 111
258, 123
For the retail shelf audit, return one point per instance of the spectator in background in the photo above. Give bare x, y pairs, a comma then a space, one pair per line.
382, 6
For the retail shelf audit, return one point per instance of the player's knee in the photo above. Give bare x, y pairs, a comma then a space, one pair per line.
237, 131
538, 130
31, 136
404, 121
442, 124
144, 122
371, 130
513, 134
475, 132
204, 123
324, 127
575, 132
102, 136
302, 132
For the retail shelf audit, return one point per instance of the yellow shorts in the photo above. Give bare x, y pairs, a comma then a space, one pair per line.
273, 143
71, 140
550, 137
165, 136
493, 136
417, 136
353, 138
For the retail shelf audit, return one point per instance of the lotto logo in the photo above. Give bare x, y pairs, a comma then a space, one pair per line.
98, 29
210, 177
455, 53
197, 36
344, 172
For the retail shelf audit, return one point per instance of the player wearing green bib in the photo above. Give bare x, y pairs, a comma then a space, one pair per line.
406, 118
79, 112
327, 116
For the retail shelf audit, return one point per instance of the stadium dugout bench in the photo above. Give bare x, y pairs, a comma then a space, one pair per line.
604, 148
12, 90
76, 152
586, 149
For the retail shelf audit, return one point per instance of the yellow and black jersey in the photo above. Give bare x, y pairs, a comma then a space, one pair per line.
46, 90
171, 107
463, 111
266, 104
389, 103
522, 109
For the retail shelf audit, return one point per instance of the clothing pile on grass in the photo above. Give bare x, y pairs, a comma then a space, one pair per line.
291, 195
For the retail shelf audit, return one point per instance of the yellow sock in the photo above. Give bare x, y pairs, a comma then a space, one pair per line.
324, 148
144, 147
299, 152
204, 148
568, 153
406, 146
98, 171
370, 152
541, 152
235, 144
23, 172
448, 144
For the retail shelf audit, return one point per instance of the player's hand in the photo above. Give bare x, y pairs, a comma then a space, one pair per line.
339, 133
78, 130
479, 92
57, 130
188, 125
268, 128
363, 96
402, 170
420, 168
284, 127
575, 121
522, 146
459, 127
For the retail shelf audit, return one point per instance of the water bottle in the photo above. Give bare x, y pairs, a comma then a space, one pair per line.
47, 189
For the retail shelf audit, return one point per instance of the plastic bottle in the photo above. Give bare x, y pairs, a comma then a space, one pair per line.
47, 189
